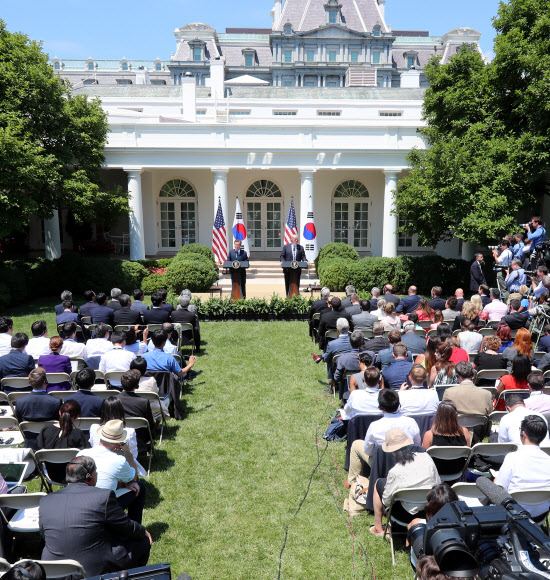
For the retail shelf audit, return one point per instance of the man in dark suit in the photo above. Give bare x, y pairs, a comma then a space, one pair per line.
136, 406
544, 342
409, 303
102, 313
375, 296
477, 277
156, 315
68, 314
65, 295
183, 316
90, 405
16, 363
86, 308
516, 319
364, 319
416, 344
291, 252
318, 307
389, 296
37, 405
437, 303
164, 305
330, 317
137, 304
85, 523
115, 295
378, 342
240, 255
354, 308
125, 315
346, 302
484, 292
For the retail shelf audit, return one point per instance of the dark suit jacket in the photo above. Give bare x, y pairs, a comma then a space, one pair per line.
408, 304
67, 316
86, 309
36, 407
91, 518
114, 304
376, 344
102, 314
437, 304
16, 364
389, 297
168, 307
138, 305
346, 303
516, 320
59, 309
317, 306
544, 343
127, 316
374, 303
416, 344
184, 316
328, 321
459, 304
136, 406
90, 405
477, 277
286, 254
242, 257
156, 316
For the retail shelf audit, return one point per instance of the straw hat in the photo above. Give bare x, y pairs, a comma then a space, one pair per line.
113, 432
395, 439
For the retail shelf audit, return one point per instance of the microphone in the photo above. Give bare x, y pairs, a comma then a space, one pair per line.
494, 492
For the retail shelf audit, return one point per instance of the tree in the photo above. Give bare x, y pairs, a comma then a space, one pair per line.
487, 132
51, 142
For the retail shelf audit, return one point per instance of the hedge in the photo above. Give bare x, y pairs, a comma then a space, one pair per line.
422, 271
193, 249
337, 250
193, 271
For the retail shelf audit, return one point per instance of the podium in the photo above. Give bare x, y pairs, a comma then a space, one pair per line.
293, 271
236, 269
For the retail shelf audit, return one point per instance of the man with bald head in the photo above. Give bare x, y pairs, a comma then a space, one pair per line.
292, 252
409, 303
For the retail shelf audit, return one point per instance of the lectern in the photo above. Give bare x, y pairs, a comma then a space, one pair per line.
236, 268
293, 271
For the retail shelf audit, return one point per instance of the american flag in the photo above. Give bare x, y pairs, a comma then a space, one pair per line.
219, 238
291, 228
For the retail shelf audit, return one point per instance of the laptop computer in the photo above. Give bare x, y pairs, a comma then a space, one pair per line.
13, 473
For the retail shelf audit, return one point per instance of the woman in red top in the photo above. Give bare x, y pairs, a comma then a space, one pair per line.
521, 368
424, 312
459, 354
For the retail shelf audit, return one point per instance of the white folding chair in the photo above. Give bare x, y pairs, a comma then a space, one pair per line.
492, 390
142, 423
77, 363
12, 424
493, 451
490, 374
314, 318
10, 384
60, 568
472, 356
105, 393
33, 426
25, 519
14, 396
61, 394
471, 421
440, 390
496, 416
153, 327
440, 454
539, 354
420, 332
432, 332
113, 376
523, 392
185, 327
469, 493
84, 423
330, 334
414, 495
531, 498
58, 377
58, 456
489, 331
153, 397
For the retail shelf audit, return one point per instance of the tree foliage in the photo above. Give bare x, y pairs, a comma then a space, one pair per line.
51, 142
487, 132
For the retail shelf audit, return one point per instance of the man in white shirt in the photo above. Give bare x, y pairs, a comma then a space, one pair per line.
6, 332
364, 401
169, 348
361, 451
529, 466
114, 469
538, 401
416, 398
505, 256
70, 346
509, 427
101, 343
496, 309
39, 344
116, 359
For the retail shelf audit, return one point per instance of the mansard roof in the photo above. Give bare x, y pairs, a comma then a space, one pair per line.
361, 15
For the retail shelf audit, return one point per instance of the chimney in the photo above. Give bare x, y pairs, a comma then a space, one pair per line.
217, 78
382, 7
189, 97
410, 79
276, 14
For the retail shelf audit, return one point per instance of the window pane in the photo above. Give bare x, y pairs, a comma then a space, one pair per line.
168, 225
332, 17
354, 57
310, 56
254, 224
341, 222
248, 61
188, 235
288, 56
332, 56
360, 224
197, 54
376, 58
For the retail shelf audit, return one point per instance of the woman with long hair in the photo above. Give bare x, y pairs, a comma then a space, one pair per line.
63, 435
112, 409
56, 363
517, 379
523, 344
446, 430
443, 372
438, 319
469, 310
427, 360
380, 310
391, 321
132, 343
505, 334
423, 311
477, 304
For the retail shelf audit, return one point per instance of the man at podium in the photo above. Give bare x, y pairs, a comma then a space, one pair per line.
241, 256
292, 252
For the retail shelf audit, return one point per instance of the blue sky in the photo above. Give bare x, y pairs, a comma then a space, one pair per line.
140, 29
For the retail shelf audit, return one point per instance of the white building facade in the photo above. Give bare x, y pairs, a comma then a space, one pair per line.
325, 105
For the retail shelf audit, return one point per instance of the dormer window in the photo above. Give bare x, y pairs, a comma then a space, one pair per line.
197, 50
249, 55
376, 31
288, 29
124, 66
90, 65
332, 8
57, 65
411, 59
158, 65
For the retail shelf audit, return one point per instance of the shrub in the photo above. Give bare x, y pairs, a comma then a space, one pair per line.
196, 249
196, 273
133, 273
336, 250
337, 274
153, 283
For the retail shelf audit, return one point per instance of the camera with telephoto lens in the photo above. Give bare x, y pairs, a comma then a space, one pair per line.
498, 268
491, 248
499, 542
530, 225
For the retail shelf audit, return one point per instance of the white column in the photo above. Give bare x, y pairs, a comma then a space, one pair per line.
137, 236
306, 191
389, 236
52, 239
467, 251
220, 191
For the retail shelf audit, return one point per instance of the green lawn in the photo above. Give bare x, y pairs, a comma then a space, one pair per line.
229, 479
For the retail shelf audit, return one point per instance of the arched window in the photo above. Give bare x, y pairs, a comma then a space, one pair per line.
177, 188
288, 29
158, 66
263, 188
351, 214
90, 66
57, 66
376, 31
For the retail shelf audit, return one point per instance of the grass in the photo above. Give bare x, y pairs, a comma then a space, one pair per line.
230, 479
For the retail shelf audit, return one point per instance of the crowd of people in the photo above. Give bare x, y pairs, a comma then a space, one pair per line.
401, 361
96, 518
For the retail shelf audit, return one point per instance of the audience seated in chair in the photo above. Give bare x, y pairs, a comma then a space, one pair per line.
415, 397
125, 315
6, 333
510, 424
117, 359
330, 317
184, 315
134, 405
349, 361
114, 304
364, 400
89, 305
65, 296
90, 404
102, 313
16, 363
149, 385
538, 401
101, 343
39, 344
394, 375
378, 341
416, 344
70, 346
364, 319
69, 314
158, 360
157, 314
337, 346
56, 363
446, 430
137, 304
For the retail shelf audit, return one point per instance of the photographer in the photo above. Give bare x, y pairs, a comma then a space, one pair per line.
516, 276
504, 257
541, 307
517, 248
538, 284
536, 234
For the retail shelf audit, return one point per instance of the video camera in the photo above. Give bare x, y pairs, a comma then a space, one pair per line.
500, 542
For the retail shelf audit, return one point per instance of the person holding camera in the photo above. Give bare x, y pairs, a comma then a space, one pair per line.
503, 255
516, 276
536, 234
